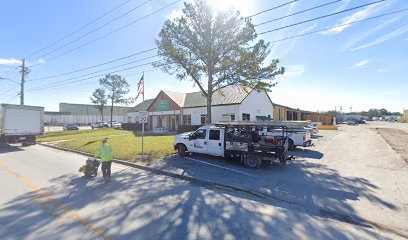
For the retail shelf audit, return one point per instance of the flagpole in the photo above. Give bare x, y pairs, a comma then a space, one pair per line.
143, 86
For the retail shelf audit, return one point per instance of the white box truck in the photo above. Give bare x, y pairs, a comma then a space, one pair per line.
21, 123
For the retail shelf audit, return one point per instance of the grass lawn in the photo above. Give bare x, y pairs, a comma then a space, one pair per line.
125, 144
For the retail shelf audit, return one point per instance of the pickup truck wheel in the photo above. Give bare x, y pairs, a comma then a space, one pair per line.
181, 149
252, 161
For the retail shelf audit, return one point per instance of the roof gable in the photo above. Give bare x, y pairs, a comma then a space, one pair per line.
143, 106
177, 97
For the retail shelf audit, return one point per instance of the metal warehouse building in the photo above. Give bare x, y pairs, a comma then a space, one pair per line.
84, 114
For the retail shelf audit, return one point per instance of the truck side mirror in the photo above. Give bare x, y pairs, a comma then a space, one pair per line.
190, 137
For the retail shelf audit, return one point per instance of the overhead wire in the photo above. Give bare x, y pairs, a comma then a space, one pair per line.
114, 31
80, 29
341, 25
270, 9
5, 93
296, 13
93, 66
110, 68
324, 16
83, 80
12, 98
96, 29
67, 82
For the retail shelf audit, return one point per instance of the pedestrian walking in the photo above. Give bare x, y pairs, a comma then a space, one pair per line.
104, 151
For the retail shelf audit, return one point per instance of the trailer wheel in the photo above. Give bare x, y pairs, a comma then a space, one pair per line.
252, 161
291, 145
181, 149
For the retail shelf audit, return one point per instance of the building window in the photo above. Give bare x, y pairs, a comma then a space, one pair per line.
186, 119
232, 117
203, 119
246, 117
214, 135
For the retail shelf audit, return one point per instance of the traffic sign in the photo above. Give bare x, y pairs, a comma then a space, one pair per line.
143, 115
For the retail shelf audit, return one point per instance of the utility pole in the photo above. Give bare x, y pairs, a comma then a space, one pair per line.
23, 71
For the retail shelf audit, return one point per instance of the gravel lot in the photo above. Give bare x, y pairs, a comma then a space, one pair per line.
357, 175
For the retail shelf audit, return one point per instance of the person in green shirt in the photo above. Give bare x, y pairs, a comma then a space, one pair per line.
104, 152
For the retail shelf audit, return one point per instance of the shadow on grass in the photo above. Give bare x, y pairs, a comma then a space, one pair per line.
140, 205
88, 143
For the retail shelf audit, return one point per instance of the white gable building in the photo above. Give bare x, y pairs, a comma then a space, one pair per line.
171, 109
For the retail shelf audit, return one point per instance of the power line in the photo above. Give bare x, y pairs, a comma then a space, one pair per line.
296, 13
94, 66
114, 31
8, 79
12, 98
96, 29
66, 81
104, 70
324, 16
62, 85
270, 9
341, 25
81, 28
8, 90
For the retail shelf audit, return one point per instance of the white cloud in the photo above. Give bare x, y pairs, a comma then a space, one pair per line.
366, 12
292, 71
36, 62
384, 38
10, 61
175, 14
363, 36
360, 64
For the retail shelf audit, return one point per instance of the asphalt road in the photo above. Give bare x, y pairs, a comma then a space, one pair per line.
44, 197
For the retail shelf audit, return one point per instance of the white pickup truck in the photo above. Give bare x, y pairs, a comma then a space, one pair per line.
297, 137
241, 141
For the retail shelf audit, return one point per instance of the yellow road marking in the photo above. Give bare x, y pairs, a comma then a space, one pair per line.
41, 197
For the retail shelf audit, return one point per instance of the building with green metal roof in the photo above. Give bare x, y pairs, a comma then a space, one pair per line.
170, 109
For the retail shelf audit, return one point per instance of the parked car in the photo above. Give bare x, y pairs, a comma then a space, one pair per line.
116, 125
312, 129
70, 126
99, 125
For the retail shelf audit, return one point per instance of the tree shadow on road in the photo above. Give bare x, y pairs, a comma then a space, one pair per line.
307, 153
141, 205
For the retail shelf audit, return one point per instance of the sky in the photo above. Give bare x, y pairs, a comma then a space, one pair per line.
350, 65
